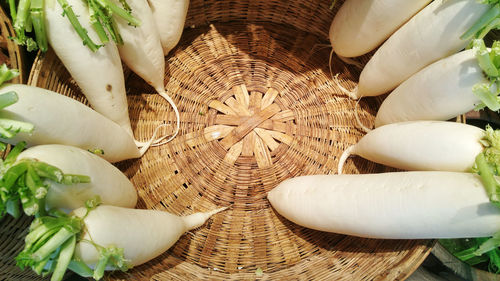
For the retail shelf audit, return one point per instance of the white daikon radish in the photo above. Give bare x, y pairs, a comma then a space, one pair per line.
111, 238
441, 91
99, 74
432, 34
421, 145
61, 120
362, 25
404, 205
142, 50
170, 17
106, 181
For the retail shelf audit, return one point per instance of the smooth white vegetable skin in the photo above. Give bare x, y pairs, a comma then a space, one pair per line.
441, 91
432, 34
99, 74
113, 187
169, 16
362, 25
62, 120
404, 205
422, 145
143, 234
142, 50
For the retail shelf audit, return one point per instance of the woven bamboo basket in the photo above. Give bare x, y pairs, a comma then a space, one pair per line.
258, 105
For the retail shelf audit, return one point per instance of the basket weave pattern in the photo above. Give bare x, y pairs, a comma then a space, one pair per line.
258, 105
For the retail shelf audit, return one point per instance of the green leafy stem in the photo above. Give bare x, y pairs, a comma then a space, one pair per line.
487, 165
50, 246
29, 16
24, 184
489, 62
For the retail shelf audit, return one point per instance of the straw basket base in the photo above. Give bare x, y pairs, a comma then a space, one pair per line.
258, 106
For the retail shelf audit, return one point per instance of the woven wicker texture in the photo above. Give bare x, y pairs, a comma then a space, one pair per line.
258, 105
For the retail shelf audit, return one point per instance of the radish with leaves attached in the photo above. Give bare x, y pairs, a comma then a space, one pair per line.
414, 145
402, 205
58, 24
398, 205
104, 238
62, 177
447, 88
441, 29
98, 72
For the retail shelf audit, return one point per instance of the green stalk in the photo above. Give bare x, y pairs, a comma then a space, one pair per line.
48, 171
119, 11
54, 242
74, 179
487, 18
67, 250
82, 32
12, 156
488, 97
36, 233
29, 202
484, 59
488, 179
15, 127
13, 208
21, 18
80, 268
8, 98
5, 133
29, 23
12, 10
38, 269
125, 6
38, 19
44, 237
13, 173
100, 267
95, 20
106, 18
466, 254
7, 74
115, 34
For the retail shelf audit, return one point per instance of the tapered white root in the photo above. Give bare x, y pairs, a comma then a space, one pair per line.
198, 219
153, 141
144, 146
335, 79
344, 157
177, 120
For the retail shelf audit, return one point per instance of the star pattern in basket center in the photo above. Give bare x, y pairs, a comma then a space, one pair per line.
257, 125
